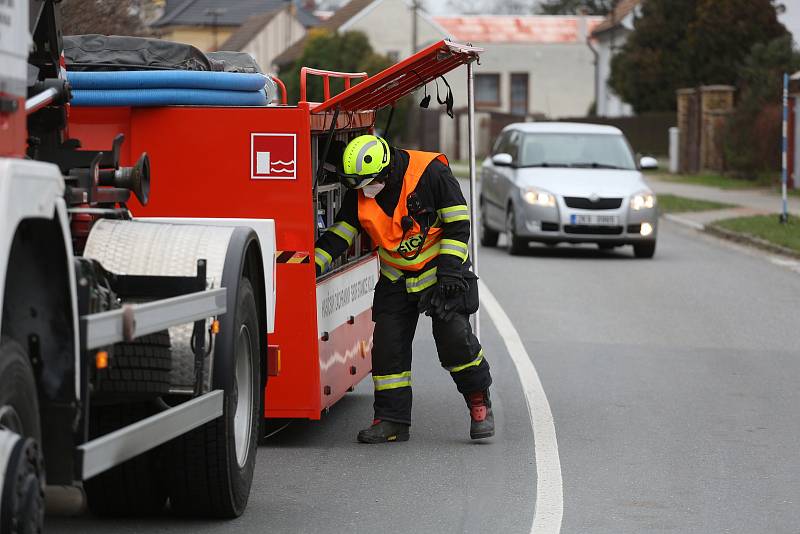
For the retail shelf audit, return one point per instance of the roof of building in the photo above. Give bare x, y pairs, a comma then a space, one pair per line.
513, 29
342, 15
248, 31
563, 128
622, 10
231, 13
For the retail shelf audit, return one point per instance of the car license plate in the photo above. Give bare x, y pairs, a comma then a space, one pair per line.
594, 220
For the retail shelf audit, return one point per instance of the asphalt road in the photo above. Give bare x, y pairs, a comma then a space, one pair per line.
673, 386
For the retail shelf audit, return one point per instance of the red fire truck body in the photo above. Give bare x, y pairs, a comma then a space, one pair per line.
259, 163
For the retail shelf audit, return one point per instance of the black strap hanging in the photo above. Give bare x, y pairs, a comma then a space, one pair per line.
448, 100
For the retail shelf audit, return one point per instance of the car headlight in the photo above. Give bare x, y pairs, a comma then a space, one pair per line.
537, 197
644, 200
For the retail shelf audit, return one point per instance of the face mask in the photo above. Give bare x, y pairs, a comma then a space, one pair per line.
372, 190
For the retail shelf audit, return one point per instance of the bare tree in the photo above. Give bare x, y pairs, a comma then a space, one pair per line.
108, 17
577, 7
493, 7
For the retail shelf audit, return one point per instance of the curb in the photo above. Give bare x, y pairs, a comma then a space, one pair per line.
751, 240
729, 235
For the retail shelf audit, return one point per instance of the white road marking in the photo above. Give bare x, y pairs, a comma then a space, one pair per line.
549, 509
794, 265
684, 221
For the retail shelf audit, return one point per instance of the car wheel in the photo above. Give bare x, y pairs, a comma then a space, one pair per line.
644, 250
488, 236
514, 244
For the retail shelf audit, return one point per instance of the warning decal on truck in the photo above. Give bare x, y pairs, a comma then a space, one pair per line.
346, 294
291, 256
273, 156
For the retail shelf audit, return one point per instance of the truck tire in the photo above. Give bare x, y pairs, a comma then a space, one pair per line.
211, 468
22, 498
134, 488
139, 369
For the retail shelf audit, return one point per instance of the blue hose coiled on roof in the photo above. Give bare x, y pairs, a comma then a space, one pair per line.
167, 97
165, 79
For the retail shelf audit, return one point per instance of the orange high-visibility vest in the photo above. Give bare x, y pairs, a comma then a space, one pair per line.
387, 232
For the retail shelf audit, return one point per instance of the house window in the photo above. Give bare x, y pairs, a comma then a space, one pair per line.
487, 90
519, 93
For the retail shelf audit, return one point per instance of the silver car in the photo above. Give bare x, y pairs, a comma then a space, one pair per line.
566, 183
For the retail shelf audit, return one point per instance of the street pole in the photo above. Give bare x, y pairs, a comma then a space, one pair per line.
473, 190
215, 13
785, 156
414, 27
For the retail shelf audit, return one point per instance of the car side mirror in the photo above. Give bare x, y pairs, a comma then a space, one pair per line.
648, 163
502, 159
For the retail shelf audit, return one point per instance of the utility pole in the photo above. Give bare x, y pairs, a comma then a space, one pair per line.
215, 13
414, 26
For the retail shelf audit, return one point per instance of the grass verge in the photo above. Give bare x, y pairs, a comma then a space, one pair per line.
677, 204
717, 180
766, 228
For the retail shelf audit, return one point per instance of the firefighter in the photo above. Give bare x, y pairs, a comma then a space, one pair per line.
411, 206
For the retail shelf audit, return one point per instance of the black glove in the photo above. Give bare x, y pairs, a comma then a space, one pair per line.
425, 298
449, 295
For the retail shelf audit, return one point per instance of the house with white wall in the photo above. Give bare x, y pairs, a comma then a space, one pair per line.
607, 39
388, 24
207, 24
266, 35
535, 65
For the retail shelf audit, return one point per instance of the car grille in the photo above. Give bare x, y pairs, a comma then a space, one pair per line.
587, 204
592, 230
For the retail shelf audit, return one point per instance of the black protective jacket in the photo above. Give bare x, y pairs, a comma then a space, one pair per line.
437, 190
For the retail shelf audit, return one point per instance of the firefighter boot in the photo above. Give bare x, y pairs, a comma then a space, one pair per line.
480, 412
384, 431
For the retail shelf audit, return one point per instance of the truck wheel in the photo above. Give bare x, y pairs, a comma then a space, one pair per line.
22, 498
211, 467
139, 369
135, 487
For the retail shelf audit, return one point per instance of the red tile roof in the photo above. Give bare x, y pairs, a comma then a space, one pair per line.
513, 29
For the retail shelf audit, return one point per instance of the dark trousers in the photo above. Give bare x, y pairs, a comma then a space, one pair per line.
395, 314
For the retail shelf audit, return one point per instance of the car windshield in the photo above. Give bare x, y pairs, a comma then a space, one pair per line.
602, 151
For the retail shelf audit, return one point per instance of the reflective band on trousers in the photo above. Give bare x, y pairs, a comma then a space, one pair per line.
454, 248
323, 259
345, 231
474, 363
423, 281
400, 380
454, 213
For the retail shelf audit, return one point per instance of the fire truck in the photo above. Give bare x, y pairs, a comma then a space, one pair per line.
157, 275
